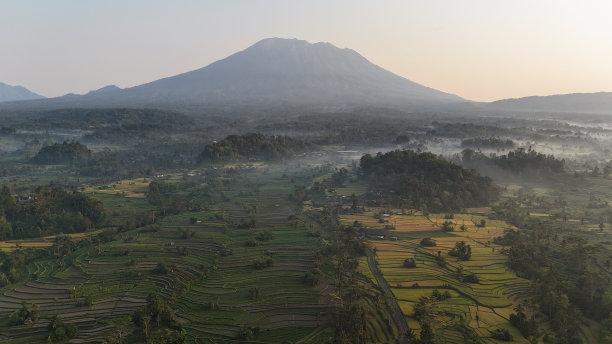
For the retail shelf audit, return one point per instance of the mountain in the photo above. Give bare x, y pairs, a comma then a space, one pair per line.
104, 90
600, 102
273, 72
16, 93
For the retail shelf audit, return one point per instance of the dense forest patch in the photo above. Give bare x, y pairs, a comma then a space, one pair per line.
97, 118
49, 210
425, 181
520, 161
62, 153
254, 146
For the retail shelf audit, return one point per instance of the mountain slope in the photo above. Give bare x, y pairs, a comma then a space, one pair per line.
600, 102
16, 93
292, 72
273, 72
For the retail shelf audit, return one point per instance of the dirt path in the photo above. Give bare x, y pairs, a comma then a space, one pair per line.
397, 312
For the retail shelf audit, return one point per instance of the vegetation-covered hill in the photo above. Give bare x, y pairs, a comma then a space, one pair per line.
425, 181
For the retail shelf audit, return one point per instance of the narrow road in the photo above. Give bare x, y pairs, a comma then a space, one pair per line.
397, 311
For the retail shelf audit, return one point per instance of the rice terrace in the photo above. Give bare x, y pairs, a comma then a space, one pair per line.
178, 173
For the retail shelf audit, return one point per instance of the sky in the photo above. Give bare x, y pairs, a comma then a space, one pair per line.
481, 50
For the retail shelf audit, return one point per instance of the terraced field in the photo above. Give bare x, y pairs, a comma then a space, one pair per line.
400, 222
210, 277
483, 306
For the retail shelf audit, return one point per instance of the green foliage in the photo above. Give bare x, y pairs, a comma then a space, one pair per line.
263, 262
253, 146
25, 314
527, 327
251, 243
425, 313
425, 181
502, 334
441, 296
448, 226
440, 260
461, 251
62, 153
60, 331
565, 291
313, 277
158, 322
164, 195
471, 278
523, 162
161, 268
248, 333
265, 236
409, 263
427, 242
50, 210
254, 293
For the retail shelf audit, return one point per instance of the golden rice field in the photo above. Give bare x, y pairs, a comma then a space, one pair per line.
401, 223
11, 245
128, 188
483, 306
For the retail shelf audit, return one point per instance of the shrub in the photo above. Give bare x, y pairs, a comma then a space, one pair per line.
448, 226
161, 268
502, 334
263, 262
251, 243
409, 263
313, 277
428, 242
441, 296
265, 236
472, 278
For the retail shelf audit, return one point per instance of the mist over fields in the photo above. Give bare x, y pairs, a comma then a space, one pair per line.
296, 192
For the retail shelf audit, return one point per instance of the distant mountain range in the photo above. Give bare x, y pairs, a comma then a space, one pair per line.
600, 102
272, 72
285, 73
16, 93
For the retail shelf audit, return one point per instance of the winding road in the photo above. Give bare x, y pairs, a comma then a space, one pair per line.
398, 316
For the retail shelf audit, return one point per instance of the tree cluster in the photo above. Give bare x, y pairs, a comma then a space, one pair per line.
253, 146
520, 161
461, 251
49, 210
426, 181
62, 153
567, 283
158, 322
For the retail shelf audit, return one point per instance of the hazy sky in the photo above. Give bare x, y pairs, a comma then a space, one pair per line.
478, 49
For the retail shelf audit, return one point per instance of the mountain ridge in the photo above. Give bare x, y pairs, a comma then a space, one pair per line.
596, 102
272, 72
10, 93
